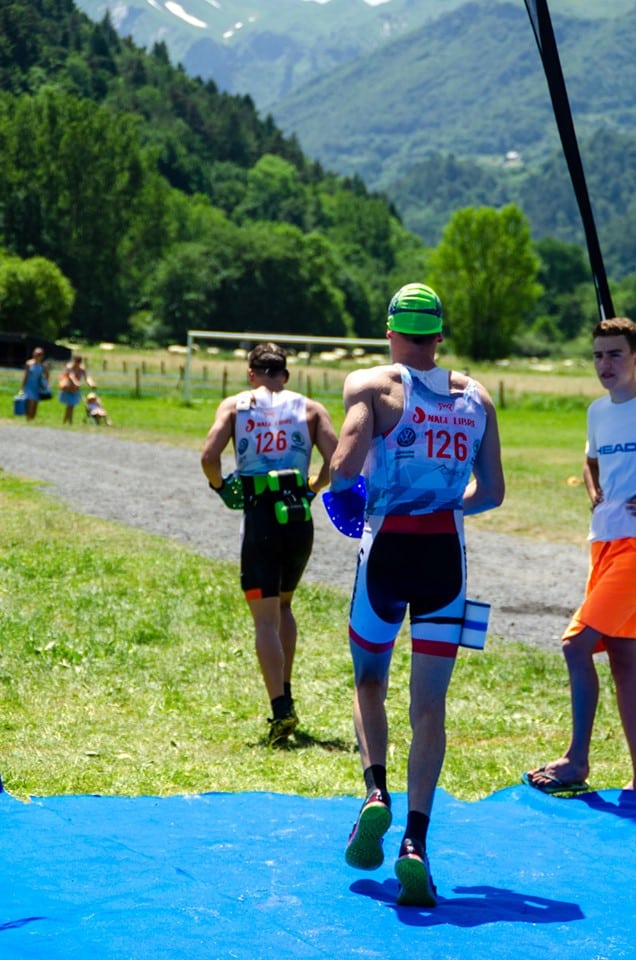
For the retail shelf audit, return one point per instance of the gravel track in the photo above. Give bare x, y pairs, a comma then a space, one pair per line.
533, 587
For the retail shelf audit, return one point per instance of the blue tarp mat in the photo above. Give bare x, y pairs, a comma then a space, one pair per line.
261, 876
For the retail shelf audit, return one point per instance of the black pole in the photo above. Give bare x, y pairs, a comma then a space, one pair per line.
546, 42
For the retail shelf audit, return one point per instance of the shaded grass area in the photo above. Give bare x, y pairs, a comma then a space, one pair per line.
127, 667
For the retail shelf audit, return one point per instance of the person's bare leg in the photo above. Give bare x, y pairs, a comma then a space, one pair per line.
573, 765
622, 657
288, 634
369, 718
269, 650
365, 844
430, 677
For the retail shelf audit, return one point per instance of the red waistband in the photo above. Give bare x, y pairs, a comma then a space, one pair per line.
442, 522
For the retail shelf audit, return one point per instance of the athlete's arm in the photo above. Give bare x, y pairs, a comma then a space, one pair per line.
487, 487
324, 439
220, 434
591, 479
357, 431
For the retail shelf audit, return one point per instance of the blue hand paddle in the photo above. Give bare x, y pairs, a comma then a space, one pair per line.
346, 508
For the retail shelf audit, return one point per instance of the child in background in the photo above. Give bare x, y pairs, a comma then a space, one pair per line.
96, 411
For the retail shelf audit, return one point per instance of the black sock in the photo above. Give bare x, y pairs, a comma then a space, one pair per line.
287, 691
281, 707
417, 826
375, 779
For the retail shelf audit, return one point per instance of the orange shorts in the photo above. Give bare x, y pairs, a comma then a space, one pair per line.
610, 598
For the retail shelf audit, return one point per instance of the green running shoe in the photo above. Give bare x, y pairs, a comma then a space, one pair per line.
364, 847
412, 870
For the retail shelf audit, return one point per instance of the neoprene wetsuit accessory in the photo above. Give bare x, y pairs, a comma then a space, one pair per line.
231, 491
345, 509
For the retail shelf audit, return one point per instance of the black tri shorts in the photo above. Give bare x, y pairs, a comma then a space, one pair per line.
273, 555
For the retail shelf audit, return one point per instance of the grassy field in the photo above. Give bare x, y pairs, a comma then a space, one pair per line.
127, 662
541, 409
127, 667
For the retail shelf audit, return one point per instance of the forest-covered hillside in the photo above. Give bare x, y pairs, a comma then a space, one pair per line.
438, 93
169, 204
470, 83
267, 49
430, 190
434, 118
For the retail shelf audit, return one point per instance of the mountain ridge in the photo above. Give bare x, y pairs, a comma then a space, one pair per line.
480, 73
250, 48
448, 76
476, 93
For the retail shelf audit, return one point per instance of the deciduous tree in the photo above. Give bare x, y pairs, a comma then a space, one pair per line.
485, 271
35, 297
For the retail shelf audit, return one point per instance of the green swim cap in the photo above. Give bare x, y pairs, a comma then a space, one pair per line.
415, 309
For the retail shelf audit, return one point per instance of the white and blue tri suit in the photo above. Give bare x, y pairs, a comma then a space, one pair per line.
271, 433
412, 552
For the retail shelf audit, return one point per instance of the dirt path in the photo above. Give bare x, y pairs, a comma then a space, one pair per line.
533, 587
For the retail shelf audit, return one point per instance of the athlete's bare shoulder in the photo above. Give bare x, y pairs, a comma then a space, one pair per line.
374, 380
314, 410
228, 405
376, 393
459, 381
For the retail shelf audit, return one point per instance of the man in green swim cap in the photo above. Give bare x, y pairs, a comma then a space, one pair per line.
426, 441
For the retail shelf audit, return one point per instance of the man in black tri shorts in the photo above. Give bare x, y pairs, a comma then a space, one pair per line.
427, 443
273, 430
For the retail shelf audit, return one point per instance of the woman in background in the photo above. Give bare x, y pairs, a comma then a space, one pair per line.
70, 382
34, 381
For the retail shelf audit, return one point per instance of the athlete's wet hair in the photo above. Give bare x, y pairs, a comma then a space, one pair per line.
617, 327
267, 358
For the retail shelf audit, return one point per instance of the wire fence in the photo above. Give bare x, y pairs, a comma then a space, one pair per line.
161, 378
213, 377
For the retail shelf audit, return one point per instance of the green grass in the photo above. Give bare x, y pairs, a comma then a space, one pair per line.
127, 667
542, 424
127, 663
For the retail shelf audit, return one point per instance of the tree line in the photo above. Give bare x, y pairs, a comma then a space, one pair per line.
136, 203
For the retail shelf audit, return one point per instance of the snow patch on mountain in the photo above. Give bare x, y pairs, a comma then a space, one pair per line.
178, 11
